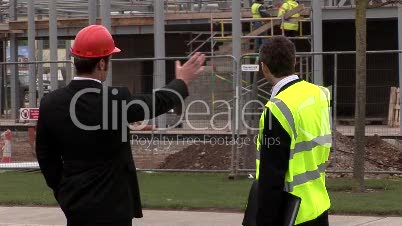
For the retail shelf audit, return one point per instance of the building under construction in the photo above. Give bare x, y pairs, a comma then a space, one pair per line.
41, 31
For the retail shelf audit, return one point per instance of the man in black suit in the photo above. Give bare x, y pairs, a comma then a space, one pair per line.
82, 143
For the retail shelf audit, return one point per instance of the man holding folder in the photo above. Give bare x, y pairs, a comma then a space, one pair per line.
293, 146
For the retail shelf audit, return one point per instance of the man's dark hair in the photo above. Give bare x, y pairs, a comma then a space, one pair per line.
87, 65
279, 54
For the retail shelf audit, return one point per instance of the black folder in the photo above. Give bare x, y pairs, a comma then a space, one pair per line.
289, 208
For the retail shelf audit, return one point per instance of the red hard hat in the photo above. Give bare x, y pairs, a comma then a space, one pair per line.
94, 41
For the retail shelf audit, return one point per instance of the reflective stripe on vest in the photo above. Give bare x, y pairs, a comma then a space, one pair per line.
305, 177
303, 111
255, 10
287, 113
309, 145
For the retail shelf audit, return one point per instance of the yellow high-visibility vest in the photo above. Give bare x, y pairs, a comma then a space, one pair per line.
255, 10
290, 24
303, 111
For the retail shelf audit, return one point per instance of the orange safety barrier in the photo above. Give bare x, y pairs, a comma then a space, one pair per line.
6, 146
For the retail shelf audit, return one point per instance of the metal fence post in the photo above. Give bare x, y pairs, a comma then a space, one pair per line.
234, 121
250, 78
335, 98
92, 11
308, 69
105, 9
159, 79
14, 78
317, 42
300, 66
69, 76
54, 78
254, 106
31, 55
40, 69
236, 47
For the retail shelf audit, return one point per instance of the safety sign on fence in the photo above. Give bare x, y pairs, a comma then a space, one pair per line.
250, 67
29, 113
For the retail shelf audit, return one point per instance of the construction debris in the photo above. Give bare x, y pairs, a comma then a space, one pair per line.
380, 155
200, 157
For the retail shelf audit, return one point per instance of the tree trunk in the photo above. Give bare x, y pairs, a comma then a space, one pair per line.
360, 112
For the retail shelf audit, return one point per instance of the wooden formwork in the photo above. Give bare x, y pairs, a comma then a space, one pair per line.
394, 108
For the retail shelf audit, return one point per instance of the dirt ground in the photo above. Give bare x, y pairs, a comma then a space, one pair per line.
379, 156
202, 156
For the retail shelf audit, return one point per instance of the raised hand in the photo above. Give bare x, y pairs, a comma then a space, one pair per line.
191, 69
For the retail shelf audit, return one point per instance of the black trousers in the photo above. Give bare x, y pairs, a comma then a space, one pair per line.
322, 220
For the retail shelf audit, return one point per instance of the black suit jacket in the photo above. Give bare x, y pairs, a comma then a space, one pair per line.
92, 172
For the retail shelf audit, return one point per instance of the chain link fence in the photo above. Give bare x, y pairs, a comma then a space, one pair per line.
169, 139
16, 86
213, 131
17, 142
383, 152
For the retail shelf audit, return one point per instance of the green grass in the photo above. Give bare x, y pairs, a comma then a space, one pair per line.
384, 197
210, 191
24, 189
193, 191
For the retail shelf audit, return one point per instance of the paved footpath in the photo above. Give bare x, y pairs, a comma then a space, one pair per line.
43, 216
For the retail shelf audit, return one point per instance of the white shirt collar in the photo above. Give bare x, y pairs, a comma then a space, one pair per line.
282, 83
84, 78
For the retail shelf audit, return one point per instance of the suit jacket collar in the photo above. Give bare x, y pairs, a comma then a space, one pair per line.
82, 84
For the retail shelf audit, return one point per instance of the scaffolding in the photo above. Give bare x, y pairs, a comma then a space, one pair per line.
222, 40
56, 20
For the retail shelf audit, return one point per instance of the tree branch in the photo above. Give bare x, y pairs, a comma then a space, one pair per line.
379, 4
